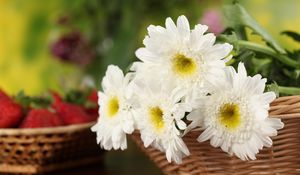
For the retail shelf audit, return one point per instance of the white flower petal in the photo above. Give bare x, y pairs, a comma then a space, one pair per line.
123, 142
171, 27
177, 94
200, 29
196, 118
206, 41
275, 123
147, 139
146, 56
216, 141
196, 39
268, 97
206, 134
113, 78
184, 148
181, 125
225, 146
116, 135
259, 84
128, 127
183, 26
242, 70
219, 51
169, 155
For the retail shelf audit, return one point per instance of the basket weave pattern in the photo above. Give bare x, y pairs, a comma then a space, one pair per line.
282, 158
47, 149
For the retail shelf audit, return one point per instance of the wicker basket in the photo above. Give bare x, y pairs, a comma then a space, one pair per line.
282, 158
47, 149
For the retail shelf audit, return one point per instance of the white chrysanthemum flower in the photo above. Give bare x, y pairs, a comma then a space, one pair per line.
235, 115
188, 57
116, 118
159, 117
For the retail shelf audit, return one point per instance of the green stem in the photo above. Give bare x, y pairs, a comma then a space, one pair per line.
268, 51
289, 90
241, 33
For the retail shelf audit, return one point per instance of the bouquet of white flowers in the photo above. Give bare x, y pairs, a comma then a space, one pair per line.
182, 83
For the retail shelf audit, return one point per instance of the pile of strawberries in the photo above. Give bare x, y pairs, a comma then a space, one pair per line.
38, 112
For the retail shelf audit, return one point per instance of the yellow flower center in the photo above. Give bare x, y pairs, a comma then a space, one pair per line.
156, 117
113, 107
229, 115
183, 65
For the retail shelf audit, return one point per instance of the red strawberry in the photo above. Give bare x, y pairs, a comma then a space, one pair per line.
3, 95
72, 113
10, 112
56, 98
93, 100
93, 97
40, 118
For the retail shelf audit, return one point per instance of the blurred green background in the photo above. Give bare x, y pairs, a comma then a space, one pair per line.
55, 44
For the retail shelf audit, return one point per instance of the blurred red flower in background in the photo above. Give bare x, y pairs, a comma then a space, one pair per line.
73, 48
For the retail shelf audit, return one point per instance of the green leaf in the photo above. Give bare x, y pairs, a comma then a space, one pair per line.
23, 99
40, 102
230, 38
273, 87
76, 96
263, 49
28, 102
237, 17
295, 36
262, 65
292, 74
294, 54
246, 55
297, 74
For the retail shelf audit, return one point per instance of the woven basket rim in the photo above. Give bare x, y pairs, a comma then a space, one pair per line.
283, 98
52, 130
286, 104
